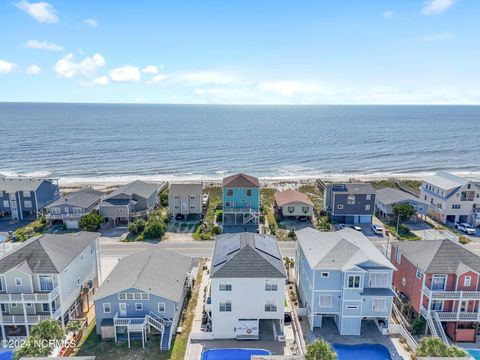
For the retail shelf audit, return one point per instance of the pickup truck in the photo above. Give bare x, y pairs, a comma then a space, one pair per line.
466, 228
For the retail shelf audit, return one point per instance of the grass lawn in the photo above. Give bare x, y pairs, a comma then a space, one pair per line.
403, 232
215, 199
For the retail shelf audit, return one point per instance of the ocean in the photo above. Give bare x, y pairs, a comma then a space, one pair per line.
121, 142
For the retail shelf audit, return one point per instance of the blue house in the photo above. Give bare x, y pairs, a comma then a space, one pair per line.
342, 275
144, 294
241, 200
22, 197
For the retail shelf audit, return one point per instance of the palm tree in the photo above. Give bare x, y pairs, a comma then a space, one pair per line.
435, 347
47, 330
320, 350
289, 262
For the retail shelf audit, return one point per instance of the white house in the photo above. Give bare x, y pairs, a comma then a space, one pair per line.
452, 198
293, 203
185, 199
247, 287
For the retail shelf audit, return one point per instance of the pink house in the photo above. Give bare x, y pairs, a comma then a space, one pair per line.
441, 280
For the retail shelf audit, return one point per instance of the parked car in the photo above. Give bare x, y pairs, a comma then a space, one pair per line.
466, 228
355, 227
377, 229
340, 226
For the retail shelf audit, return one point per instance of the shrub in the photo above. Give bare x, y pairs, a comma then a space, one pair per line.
90, 222
216, 230
154, 229
137, 227
292, 235
463, 240
435, 347
418, 326
320, 349
164, 199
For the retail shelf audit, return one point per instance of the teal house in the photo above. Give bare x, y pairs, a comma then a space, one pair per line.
241, 200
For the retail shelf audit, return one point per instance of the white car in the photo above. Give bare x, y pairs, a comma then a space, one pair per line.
340, 226
355, 227
466, 228
377, 229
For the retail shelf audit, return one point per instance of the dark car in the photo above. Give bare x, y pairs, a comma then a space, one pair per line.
287, 318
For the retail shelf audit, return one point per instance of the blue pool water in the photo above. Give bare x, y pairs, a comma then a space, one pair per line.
362, 351
474, 353
6, 355
232, 354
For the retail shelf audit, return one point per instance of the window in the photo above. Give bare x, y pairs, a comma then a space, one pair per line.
1, 193
436, 305
6, 203
77, 210
27, 204
137, 296
66, 210
192, 206
192, 197
225, 306
107, 309
3, 308
45, 282
367, 207
368, 197
339, 207
138, 306
378, 280
351, 200
353, 281
1, 284
225, 286
229, 192
228, 204
26, 194
305, 209
291, 209
456, 206
46, 308
161, 307
325, 275
145, 296
122, 296
270, 306
29, 305
325, 301
404, 281
398, 256
177, 197
439, 282
270, 285
249, 192
351, 307
13, 305
379, 305
18, 282
129, 296
418, 274
467, 281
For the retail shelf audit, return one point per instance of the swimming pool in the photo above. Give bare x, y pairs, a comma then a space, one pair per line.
6, 355
232, 354
362, 351
474, 353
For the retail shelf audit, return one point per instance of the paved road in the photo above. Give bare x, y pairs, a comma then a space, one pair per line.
191, 248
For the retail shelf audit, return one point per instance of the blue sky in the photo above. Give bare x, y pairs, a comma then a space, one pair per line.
241, 52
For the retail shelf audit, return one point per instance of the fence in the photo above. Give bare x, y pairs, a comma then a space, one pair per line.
399, 329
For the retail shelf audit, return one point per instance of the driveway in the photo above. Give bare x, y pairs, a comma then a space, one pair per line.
7, 225
295, 224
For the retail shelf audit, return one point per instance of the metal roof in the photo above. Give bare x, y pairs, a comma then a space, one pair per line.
446, 181
388, 196
247, 255
156, 271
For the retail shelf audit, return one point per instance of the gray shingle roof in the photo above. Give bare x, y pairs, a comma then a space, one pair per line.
47, 254
138, 187
247, 255
290, 196
83, 198
339, 250
11, 185
241, 181
354, 188
156, 271
438, 256
389, 196
186, 189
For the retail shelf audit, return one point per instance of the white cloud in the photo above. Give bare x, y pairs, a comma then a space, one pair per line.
388, 14
41, 11
150, 69
33, 70
91, 22
6, 67
125, 74
433, 7
157, 79
67, 67
436, 37
289, 88
102, 81
43, 45
206, 77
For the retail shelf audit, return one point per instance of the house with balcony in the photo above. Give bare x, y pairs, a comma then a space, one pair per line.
440, 280
22, 198
350, 203
72, 206
387, 198
48, 277
293, 203
452, 198
246, 292
241, 200
342, 275
130, 201
144, 294
185, 199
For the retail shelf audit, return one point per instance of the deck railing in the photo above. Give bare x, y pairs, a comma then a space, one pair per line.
30, 297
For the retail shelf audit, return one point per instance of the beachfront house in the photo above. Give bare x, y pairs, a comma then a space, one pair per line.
439, 279
23, 198
341, 275
185, 199
293, 203
247, 287
72, 206
387, 198
130, 201
144, 293
350, 203
47, 277
452, 198
240, 200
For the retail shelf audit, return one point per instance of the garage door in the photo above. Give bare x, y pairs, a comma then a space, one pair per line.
71, 224
366, 219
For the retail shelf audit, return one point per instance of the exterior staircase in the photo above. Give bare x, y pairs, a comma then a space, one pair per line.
253, 217
164, 325
435, 326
